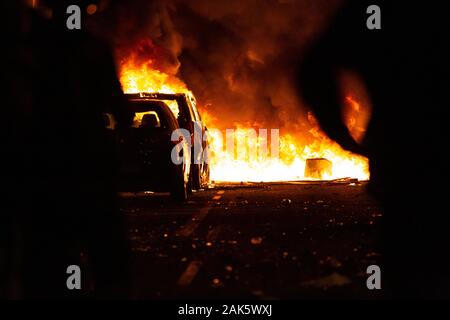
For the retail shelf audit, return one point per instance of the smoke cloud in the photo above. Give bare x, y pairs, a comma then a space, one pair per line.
238, 57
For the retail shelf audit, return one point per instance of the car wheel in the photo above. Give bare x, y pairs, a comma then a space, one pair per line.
179, 187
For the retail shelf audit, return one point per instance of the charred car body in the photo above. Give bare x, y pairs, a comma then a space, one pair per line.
184, 107
146, 150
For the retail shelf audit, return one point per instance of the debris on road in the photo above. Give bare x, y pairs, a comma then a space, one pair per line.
318, 168
333, 280
256, 240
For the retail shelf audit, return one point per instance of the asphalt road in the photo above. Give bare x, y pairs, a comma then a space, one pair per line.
267, 241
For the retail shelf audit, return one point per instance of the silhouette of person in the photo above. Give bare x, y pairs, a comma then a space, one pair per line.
67, 165
404, 66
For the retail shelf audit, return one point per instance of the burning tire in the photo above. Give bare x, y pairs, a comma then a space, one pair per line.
205, 176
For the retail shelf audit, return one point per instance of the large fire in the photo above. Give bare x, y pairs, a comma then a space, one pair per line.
251, 156
240, 164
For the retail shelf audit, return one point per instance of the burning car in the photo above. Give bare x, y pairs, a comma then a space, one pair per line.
183, 106
146, 147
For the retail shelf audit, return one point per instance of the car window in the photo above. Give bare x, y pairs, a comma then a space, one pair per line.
146, 120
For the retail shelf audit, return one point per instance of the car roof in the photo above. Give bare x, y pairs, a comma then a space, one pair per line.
156, 95
187, 108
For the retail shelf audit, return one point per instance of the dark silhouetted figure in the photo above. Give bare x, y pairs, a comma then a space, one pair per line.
62, 161
406, 71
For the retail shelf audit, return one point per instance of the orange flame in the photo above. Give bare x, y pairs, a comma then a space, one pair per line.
136, 77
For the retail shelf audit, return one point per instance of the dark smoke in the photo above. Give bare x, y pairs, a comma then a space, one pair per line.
237, 56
